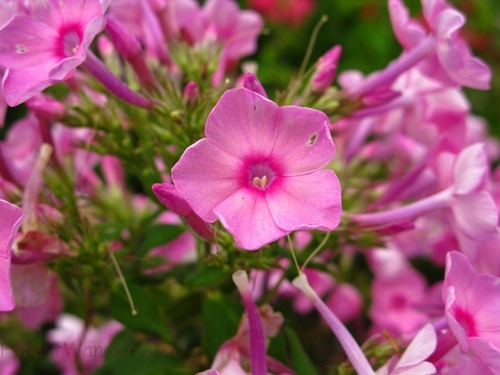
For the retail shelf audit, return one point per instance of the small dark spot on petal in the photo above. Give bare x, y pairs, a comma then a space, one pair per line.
254, 108
312, 139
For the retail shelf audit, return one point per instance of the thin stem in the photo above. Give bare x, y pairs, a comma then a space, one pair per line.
122, 280
290, 243
315, 251
312, 42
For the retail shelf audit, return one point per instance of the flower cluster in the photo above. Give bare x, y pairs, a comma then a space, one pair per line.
156, 199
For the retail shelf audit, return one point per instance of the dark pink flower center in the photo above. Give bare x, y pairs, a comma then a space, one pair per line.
261, 175
399, 302
465, 319
70, 38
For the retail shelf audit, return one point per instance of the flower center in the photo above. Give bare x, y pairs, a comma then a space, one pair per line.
261, 175
466, 320
69, 41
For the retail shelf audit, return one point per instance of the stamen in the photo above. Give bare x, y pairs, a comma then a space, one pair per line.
260, 182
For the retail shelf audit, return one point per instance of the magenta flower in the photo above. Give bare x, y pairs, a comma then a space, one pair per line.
10, 221
258, 170
47, 45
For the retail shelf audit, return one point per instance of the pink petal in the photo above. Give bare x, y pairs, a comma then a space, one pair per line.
203, 185
243, 124
7, 302
26, 42
470, 169
243, 42
408, 32
303, 143
489, 353
246, 215
420, 348
447, 22
20, 85
425, 368
309, 201
10, 221
476, 215
462, 67
30, 284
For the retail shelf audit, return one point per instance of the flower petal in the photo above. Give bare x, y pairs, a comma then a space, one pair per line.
25, 42
476, 215
7, 302
205, 175
303, 142
243, 124
309, 201
246, 216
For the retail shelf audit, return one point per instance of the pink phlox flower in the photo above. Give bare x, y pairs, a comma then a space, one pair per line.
220, 22
456, 362
258, 170
294, 13
19, 149
412, 361
46, 45
474, 213
71, 341
9, 363
450, 60
10, 221
394, 300
472, 309
33, 317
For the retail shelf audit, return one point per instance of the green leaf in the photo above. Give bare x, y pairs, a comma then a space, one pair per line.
206, 276
127, 355
300, 360
157, 235
221, 317
147, 318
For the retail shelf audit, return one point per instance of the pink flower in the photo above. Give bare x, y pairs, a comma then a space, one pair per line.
10, 221
9, 363
46, 46
413, 359
72, 339
258, 170
472, 309
292, 12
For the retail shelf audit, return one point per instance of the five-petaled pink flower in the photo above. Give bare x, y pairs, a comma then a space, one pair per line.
258, 170
46, 45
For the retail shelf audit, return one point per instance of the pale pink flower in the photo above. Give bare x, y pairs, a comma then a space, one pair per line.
10, 221
472, 309
9, 363
412, 361
72, 340
258, 170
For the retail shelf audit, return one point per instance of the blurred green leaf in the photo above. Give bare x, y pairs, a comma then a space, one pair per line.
300, 360
221, 316
147, 318
206, 276
126, 355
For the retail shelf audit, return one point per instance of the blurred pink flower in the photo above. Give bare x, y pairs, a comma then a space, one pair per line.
472, 309
258, 170
10, 221
46, 46
292, 12
71, 339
